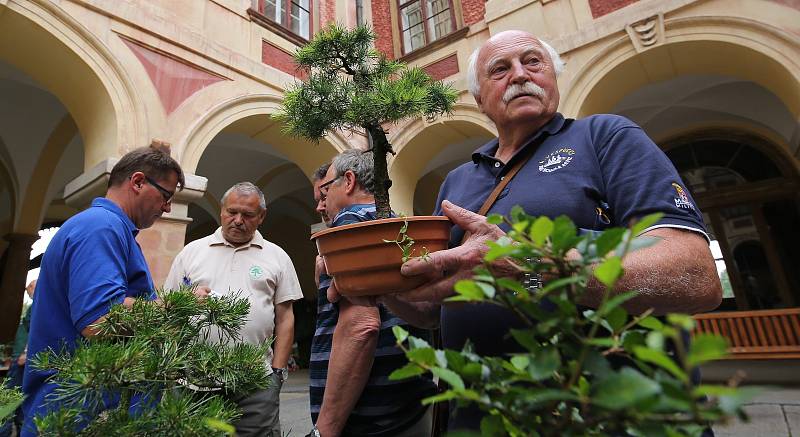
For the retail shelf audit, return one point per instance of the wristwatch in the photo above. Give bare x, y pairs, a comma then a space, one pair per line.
282, 372
314, 432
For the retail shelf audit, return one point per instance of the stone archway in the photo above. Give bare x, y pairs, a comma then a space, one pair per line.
425, 150
48, 44
745, 49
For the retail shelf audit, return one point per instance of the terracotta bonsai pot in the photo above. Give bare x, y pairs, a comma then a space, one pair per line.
364, 264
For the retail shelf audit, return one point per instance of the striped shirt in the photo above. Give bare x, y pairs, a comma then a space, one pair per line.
385, 407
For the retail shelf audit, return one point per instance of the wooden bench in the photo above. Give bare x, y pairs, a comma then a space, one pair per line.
763, 334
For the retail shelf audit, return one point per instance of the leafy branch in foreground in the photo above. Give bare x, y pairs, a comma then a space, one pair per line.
159, 368
10, 399
579, 371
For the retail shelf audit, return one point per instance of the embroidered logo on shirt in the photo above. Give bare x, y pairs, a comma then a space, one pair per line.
256, 272
682, 201
556, 160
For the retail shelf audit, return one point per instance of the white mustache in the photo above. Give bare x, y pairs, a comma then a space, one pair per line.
527, 88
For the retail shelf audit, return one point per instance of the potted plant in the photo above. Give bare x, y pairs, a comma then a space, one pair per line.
154, 359
351, 86
577, 371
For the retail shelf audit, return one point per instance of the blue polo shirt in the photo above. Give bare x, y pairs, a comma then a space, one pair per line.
92, 262
600, 171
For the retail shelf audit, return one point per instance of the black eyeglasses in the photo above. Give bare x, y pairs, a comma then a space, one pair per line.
165, 193
324, 193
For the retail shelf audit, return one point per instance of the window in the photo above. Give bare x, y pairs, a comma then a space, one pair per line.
360, 12
424, 21
296, 17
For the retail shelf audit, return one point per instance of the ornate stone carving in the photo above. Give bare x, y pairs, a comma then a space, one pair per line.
647, 33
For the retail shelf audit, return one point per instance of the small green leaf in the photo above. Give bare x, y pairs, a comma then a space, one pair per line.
544, 363
583, 386
424, 356
608, 240
494, 219
601, 341
617, 318
510, 284
542, 228
526, 338
706, 347
564, 235
609, 271
631, 339
660, 359
443, 397
652, 323
624, 389
449, 377
645, 222
399, 333
498, 251
406, 371
683, 321
492, 426
518, 214
469, 290
520, 361
486, 289
616, 301
219, 425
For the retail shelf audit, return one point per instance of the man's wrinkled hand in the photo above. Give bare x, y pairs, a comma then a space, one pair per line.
444, 268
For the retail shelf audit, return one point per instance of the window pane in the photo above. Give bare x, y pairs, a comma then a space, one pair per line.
439, 22
411, 22
300, 18
273, 9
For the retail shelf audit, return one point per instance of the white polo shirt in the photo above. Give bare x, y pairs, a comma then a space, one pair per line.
259, 270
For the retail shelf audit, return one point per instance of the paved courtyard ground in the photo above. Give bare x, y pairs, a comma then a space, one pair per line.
776, 413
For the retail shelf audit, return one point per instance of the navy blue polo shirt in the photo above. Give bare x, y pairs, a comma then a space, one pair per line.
92, 262
600, 171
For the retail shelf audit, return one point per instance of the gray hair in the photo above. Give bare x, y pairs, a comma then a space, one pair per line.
361, 163
472, 70
248, 189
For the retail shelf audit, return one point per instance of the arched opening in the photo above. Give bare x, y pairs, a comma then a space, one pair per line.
427, 152
253, 148
750, 204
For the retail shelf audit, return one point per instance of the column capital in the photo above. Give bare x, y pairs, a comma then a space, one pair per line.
92, 183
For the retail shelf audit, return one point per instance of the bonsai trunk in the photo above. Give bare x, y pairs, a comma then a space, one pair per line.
380, 148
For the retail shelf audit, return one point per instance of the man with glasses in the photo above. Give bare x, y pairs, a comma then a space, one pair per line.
237, 259
353, 350
94, 261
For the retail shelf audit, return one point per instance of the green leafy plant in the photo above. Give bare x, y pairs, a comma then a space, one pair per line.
156, 360
351, 86
578, 371
10, 399
406, 244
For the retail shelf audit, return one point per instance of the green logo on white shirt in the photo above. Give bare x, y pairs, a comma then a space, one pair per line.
256, 272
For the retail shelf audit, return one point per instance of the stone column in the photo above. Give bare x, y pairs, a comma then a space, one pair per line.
12, 284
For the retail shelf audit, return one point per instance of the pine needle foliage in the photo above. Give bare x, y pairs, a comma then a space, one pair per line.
10, 399
134, 377
352, 86
577, 371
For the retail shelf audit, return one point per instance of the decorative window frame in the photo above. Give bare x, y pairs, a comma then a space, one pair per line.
256, 14
456, 17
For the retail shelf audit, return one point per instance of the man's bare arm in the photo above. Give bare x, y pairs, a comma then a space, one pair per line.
92, 330
677, 274
284, 334
352, 354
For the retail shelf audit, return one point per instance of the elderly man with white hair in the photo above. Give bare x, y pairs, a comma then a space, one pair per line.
600, 171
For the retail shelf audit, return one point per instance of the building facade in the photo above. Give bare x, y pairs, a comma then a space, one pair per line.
715, 83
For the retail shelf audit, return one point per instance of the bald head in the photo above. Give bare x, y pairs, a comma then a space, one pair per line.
473, 83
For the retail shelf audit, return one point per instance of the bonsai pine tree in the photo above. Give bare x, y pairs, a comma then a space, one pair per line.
577, 371
352, 86
134, 377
